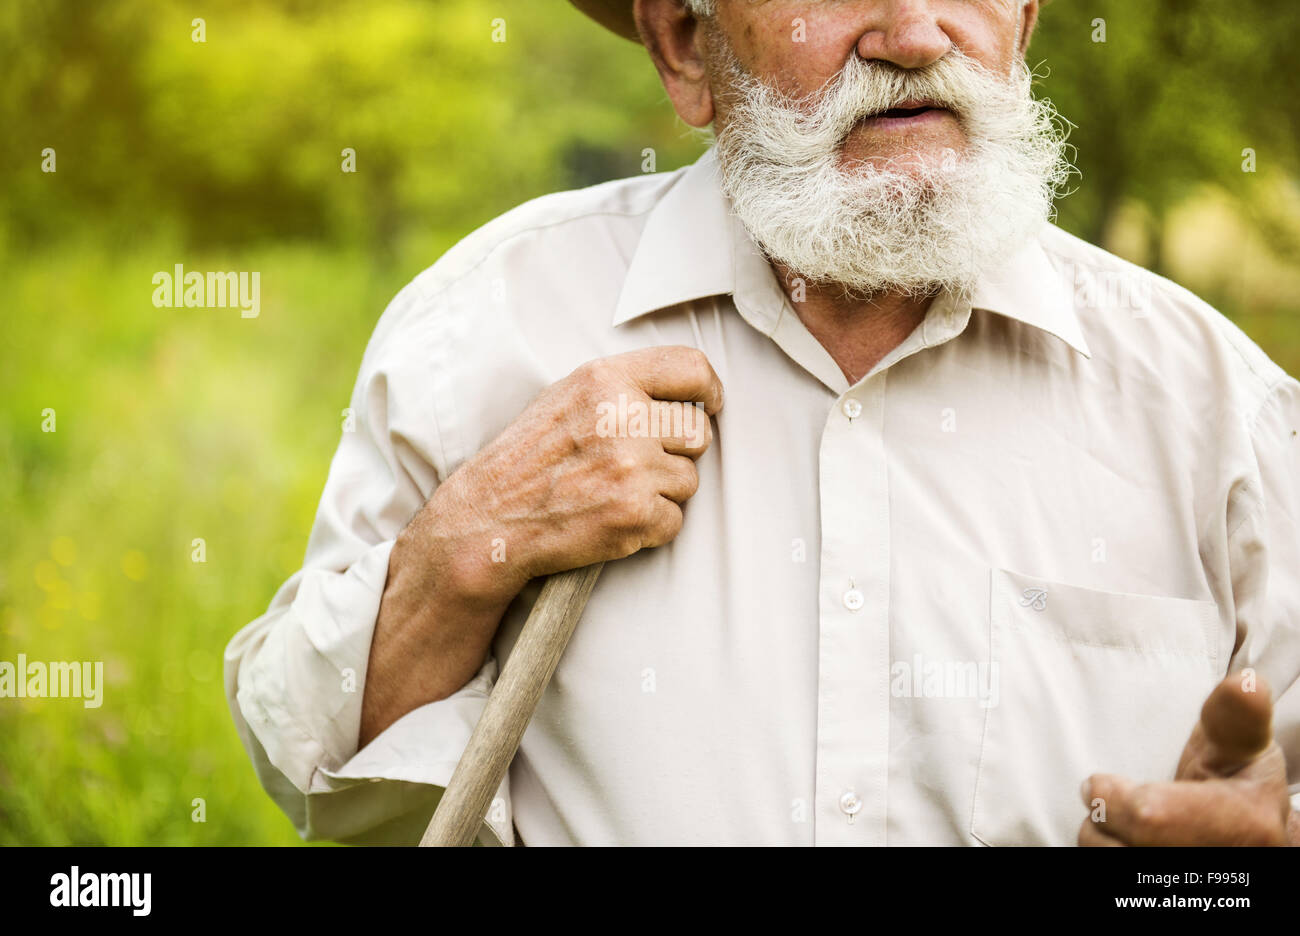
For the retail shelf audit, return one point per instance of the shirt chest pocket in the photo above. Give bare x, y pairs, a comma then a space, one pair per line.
1088, 682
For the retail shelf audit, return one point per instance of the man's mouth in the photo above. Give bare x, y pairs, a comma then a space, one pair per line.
906, 115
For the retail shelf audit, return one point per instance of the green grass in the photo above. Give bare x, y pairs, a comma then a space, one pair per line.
172, 425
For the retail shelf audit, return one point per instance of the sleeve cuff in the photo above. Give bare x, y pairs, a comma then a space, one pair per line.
422, 747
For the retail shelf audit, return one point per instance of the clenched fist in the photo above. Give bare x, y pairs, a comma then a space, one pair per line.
566, 485
596, 468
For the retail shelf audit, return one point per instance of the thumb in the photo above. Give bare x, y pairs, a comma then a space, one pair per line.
1236, 726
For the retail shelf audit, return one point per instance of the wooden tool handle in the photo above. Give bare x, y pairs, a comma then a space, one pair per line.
510, 707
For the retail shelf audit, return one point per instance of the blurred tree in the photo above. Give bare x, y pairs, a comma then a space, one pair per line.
240, 138
1165, 95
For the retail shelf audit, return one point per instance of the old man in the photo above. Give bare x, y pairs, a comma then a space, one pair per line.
979, 548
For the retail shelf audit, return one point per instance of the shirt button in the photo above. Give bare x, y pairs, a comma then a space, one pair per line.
850, 805
853, 599
852, 408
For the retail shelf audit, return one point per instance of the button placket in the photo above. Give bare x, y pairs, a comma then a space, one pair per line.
853, 672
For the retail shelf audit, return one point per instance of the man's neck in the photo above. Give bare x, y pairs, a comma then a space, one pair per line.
856, 333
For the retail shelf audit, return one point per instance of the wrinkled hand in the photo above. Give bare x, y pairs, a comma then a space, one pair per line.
567, 484
1230, 788
597, 467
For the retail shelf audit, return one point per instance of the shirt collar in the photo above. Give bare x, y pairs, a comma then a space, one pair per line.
693, 246
685, 250
1030, 289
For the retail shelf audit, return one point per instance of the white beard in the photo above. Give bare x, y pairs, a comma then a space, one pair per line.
876, 229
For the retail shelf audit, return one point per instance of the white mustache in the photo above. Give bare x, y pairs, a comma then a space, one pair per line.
807, 128
896, 226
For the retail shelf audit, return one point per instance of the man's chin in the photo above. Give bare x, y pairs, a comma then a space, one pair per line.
877, 184
910, 168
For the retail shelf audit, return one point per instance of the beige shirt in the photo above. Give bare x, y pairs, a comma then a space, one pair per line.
915, 610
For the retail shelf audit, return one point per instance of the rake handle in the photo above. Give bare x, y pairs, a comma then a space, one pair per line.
510, 707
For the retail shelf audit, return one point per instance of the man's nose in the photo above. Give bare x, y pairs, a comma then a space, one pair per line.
905, 33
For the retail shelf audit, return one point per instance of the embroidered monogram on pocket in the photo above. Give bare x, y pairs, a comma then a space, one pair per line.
1035, 598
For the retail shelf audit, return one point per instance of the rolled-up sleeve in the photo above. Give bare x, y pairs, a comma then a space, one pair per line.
295, 676
1264, 556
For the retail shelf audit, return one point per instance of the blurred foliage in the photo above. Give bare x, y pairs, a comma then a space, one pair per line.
1170, 100
174, 424
239, 138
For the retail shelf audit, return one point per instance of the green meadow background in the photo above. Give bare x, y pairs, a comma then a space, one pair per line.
178, 424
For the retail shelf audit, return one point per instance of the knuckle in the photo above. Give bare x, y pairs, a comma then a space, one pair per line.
700, 370
632, 514
626, 464
696, 427
675, 354
585, 374
596, 369
625, 544
620, 465
1149, 811
690, 479
697, 357
597, 375
672, 522
668, 524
